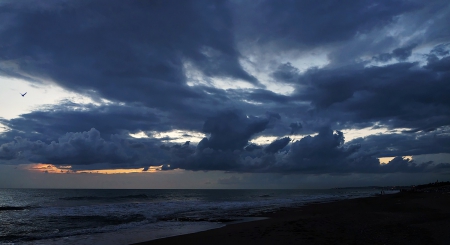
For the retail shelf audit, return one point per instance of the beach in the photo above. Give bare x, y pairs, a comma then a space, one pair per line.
421, 217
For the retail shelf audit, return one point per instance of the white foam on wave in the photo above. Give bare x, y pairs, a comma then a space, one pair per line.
154, 210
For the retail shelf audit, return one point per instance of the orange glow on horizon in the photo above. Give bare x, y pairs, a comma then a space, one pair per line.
386, 160
53, 169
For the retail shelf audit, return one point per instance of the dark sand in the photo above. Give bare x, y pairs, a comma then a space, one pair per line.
403, 218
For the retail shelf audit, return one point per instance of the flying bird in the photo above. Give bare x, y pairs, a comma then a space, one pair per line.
23, 95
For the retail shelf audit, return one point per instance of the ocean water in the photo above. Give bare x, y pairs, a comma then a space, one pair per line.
85, 216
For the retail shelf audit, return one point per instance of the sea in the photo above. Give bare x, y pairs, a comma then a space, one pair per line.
124, 216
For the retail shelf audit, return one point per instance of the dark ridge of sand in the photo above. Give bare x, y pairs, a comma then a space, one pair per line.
402, 218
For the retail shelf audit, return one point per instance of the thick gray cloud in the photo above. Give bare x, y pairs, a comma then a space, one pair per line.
407, 144
48, 125
133, 52
399, 53
277, 145
295, 127
162, 65
307, 23
73, 147
232, 130
401, 95
320, 154
81, 148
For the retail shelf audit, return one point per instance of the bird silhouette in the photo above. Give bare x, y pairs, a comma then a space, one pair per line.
23, 95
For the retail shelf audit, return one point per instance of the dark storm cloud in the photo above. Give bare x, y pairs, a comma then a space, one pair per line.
439, 11
441, 49
439, 65
320, 154
252, 147
133, 51
324, 151
86, 150
403, 53
232, 130
327, 153
277, 145
307, 23
81, 148
422, 24
401, 95
400, 54
141, 54
295, 127
400, 164
266, 96
47, 125
407, 144
286, 73
179, 151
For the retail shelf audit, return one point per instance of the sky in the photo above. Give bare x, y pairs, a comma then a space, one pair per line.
224, 94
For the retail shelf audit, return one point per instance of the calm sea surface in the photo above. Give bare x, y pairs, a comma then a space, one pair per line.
70, 216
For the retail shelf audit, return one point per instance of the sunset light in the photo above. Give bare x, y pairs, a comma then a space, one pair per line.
52, 169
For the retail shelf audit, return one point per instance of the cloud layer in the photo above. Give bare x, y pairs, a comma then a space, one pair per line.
295, 73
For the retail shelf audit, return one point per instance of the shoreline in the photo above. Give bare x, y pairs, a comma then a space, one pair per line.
401, 218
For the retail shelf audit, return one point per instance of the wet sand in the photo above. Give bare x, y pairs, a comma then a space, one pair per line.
402, 218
